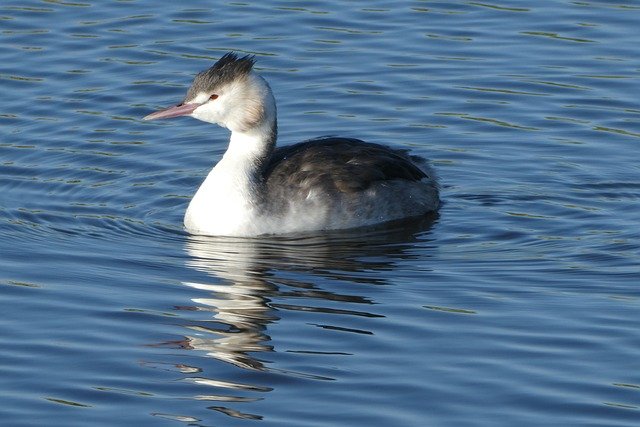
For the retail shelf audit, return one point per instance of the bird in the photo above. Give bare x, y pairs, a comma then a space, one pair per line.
321, 184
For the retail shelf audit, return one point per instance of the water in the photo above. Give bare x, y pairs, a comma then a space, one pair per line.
517, 305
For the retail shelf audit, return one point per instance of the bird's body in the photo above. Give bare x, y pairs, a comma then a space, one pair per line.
322, 184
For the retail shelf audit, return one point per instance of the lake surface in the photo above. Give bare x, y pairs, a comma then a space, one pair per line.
518, 305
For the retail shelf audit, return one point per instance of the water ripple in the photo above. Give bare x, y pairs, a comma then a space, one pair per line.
518, 303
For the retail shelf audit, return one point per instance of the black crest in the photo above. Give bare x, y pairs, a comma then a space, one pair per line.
224, 71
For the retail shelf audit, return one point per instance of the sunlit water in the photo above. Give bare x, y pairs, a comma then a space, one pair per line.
517, 306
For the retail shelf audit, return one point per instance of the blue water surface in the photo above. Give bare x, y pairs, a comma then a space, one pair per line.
517, 305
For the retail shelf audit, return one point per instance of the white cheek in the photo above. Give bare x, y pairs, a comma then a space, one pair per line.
207, 113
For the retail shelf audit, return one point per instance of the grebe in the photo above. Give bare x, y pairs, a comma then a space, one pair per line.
322, 184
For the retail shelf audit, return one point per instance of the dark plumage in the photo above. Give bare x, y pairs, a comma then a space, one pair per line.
344, 178
343, 164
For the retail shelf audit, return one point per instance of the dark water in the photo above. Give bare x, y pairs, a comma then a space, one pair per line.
517, 305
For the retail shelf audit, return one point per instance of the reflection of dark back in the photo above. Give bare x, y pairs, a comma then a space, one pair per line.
249, 275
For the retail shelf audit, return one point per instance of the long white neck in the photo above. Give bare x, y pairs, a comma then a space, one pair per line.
250, 148
229, 198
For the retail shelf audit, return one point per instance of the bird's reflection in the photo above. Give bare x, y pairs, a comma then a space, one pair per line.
250, 276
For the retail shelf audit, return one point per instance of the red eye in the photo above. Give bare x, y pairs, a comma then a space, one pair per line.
212, 97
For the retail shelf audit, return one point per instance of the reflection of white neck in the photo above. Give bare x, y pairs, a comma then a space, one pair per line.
237, 298
227, 201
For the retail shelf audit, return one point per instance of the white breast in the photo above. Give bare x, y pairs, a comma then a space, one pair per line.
225, 203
